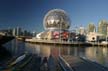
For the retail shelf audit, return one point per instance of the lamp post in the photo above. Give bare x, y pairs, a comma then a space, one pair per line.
107, 35
60, 27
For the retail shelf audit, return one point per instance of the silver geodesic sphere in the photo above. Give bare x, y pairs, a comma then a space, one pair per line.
56, 19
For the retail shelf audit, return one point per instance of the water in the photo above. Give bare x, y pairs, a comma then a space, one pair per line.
16, 48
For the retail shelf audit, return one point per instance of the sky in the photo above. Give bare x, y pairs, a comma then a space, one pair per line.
29, 14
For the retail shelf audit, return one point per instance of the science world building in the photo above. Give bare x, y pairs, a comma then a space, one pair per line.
56, 24
56, 19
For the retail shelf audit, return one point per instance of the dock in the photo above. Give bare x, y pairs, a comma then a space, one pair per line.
79, 64
61, 63
33, 63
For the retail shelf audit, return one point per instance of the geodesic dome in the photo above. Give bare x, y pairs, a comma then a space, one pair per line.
56, 19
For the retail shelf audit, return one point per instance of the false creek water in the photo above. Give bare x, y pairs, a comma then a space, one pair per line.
16, 48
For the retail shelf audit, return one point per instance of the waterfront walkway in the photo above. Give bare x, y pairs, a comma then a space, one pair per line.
58, 42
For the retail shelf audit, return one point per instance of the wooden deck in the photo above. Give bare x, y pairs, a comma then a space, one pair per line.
79, 64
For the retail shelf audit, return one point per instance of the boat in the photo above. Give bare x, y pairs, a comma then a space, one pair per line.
104, 42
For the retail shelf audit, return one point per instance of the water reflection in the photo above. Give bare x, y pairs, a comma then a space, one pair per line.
16, 47
98, 54
41, 50
4, 54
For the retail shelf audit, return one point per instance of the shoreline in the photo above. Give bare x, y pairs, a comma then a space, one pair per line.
51, 42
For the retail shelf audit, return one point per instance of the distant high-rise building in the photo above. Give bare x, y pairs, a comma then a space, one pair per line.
82, 31
102, 27
9, 31
91, 28
107, 30
34, 34
25, 33
18, 31
14, 32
